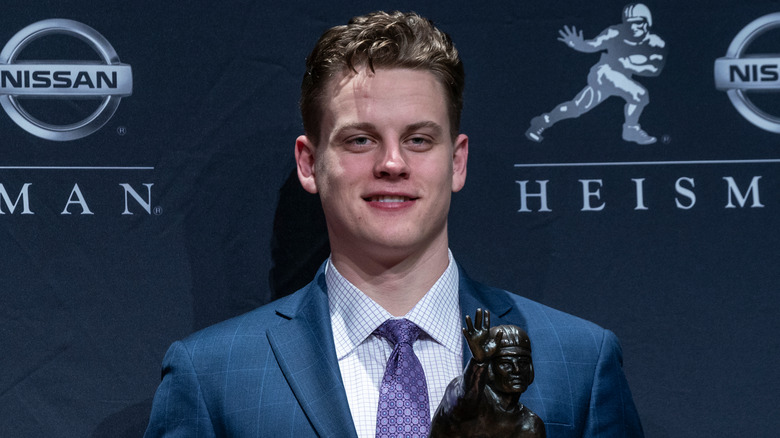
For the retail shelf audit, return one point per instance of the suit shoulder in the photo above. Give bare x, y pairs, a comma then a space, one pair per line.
554, 315
252, 323
551, 325
536, 310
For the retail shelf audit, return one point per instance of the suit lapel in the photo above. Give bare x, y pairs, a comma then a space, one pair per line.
475, 296
303, 345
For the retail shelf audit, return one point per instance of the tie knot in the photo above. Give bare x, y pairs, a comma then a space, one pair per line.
399, 331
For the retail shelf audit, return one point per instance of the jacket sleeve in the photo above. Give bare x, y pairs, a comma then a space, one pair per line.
179, 409
612, 412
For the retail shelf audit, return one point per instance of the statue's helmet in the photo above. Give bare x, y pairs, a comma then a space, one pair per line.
637, 12
513, 336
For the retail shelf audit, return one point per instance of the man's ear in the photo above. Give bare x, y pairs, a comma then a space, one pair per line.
460, 157
304, 159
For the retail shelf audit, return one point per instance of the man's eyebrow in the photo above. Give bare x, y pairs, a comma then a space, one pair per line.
358, 126
427, 125
364, 126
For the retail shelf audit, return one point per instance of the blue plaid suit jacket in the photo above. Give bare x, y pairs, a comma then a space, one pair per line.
273, 372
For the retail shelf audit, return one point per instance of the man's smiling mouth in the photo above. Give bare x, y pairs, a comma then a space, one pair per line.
389, 198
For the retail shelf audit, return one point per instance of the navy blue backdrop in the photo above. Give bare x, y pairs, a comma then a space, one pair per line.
179, 211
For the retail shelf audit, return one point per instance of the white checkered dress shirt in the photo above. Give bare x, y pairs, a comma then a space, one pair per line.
362, 355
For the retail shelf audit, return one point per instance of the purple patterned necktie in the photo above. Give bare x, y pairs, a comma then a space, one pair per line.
403, 396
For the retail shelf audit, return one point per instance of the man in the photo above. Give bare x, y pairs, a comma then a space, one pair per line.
628, 49
485, 400
381, 102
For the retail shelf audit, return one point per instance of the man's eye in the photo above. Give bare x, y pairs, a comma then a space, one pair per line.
359, 143
419, 143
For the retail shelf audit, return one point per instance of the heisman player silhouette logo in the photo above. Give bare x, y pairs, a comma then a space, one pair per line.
627, 49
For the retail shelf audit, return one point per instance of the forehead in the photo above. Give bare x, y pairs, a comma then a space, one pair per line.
384, 94
384, 83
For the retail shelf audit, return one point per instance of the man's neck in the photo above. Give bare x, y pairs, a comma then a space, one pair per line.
396, 284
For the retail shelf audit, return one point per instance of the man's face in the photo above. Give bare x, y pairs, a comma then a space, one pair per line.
512, 373
386, 164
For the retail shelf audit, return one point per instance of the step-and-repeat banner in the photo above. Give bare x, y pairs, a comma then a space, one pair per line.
624, 167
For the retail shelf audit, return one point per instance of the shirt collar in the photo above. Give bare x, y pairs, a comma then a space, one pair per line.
355, 316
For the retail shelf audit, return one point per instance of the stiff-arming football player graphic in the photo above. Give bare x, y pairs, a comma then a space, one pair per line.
628, 49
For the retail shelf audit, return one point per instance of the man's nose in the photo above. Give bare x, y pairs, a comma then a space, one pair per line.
391, 161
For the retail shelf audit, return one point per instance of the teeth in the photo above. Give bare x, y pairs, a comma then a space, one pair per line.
389, 199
